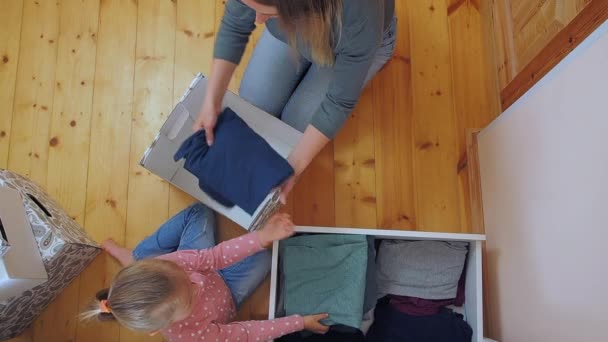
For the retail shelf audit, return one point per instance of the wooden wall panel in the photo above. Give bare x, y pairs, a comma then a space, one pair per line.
522, 29
590, 15
531, 35
502, 28
10, 39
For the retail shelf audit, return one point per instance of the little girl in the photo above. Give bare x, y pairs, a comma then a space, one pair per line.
175, 282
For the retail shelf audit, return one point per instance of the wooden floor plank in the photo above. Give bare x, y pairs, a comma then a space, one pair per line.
473, 102
393, 134
10, 34
71, 118
153, 100
107, 183
435, 139
33, 101
26, 336
148, 197
68, 157
354, 165
313, 195
194, 38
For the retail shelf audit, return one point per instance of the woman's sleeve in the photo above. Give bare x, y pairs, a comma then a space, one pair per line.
219, 257
237, 24
350, 69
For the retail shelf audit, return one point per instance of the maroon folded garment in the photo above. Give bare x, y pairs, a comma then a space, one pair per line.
426, 307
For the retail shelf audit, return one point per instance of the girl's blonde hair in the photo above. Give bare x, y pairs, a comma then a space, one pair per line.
143, 296
313, 22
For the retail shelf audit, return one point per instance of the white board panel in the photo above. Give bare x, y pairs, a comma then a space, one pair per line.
544, 179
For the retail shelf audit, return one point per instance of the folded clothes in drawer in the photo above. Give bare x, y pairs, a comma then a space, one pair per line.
392, 325
325, 273
422, 280
448, 266
421, 269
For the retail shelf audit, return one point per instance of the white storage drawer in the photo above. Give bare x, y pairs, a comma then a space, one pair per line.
473, 306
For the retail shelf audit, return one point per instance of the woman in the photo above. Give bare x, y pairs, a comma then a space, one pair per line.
308, 68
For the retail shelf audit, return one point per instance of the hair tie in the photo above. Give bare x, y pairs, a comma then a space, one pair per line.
103, 306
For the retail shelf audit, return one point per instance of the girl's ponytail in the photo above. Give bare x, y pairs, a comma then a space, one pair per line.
143, 296
100, 309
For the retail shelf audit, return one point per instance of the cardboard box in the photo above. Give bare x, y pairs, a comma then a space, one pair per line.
21, 268
158, 158
62, 245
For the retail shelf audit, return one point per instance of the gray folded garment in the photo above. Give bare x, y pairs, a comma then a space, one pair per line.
421, 269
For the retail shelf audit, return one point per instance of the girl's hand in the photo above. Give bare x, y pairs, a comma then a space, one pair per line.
207, 118
278, 227
311, 323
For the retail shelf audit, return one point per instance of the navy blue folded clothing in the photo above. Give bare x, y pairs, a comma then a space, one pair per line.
391, 325
240, 168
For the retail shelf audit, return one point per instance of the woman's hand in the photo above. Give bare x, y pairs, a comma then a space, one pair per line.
278, 227
311, 323
207, 118
216, 88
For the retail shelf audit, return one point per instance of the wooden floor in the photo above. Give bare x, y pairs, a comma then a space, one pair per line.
86, 84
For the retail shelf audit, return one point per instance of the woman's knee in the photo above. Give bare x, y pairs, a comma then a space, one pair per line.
254, 95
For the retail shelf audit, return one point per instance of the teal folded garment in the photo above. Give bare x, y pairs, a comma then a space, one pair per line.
325, 273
